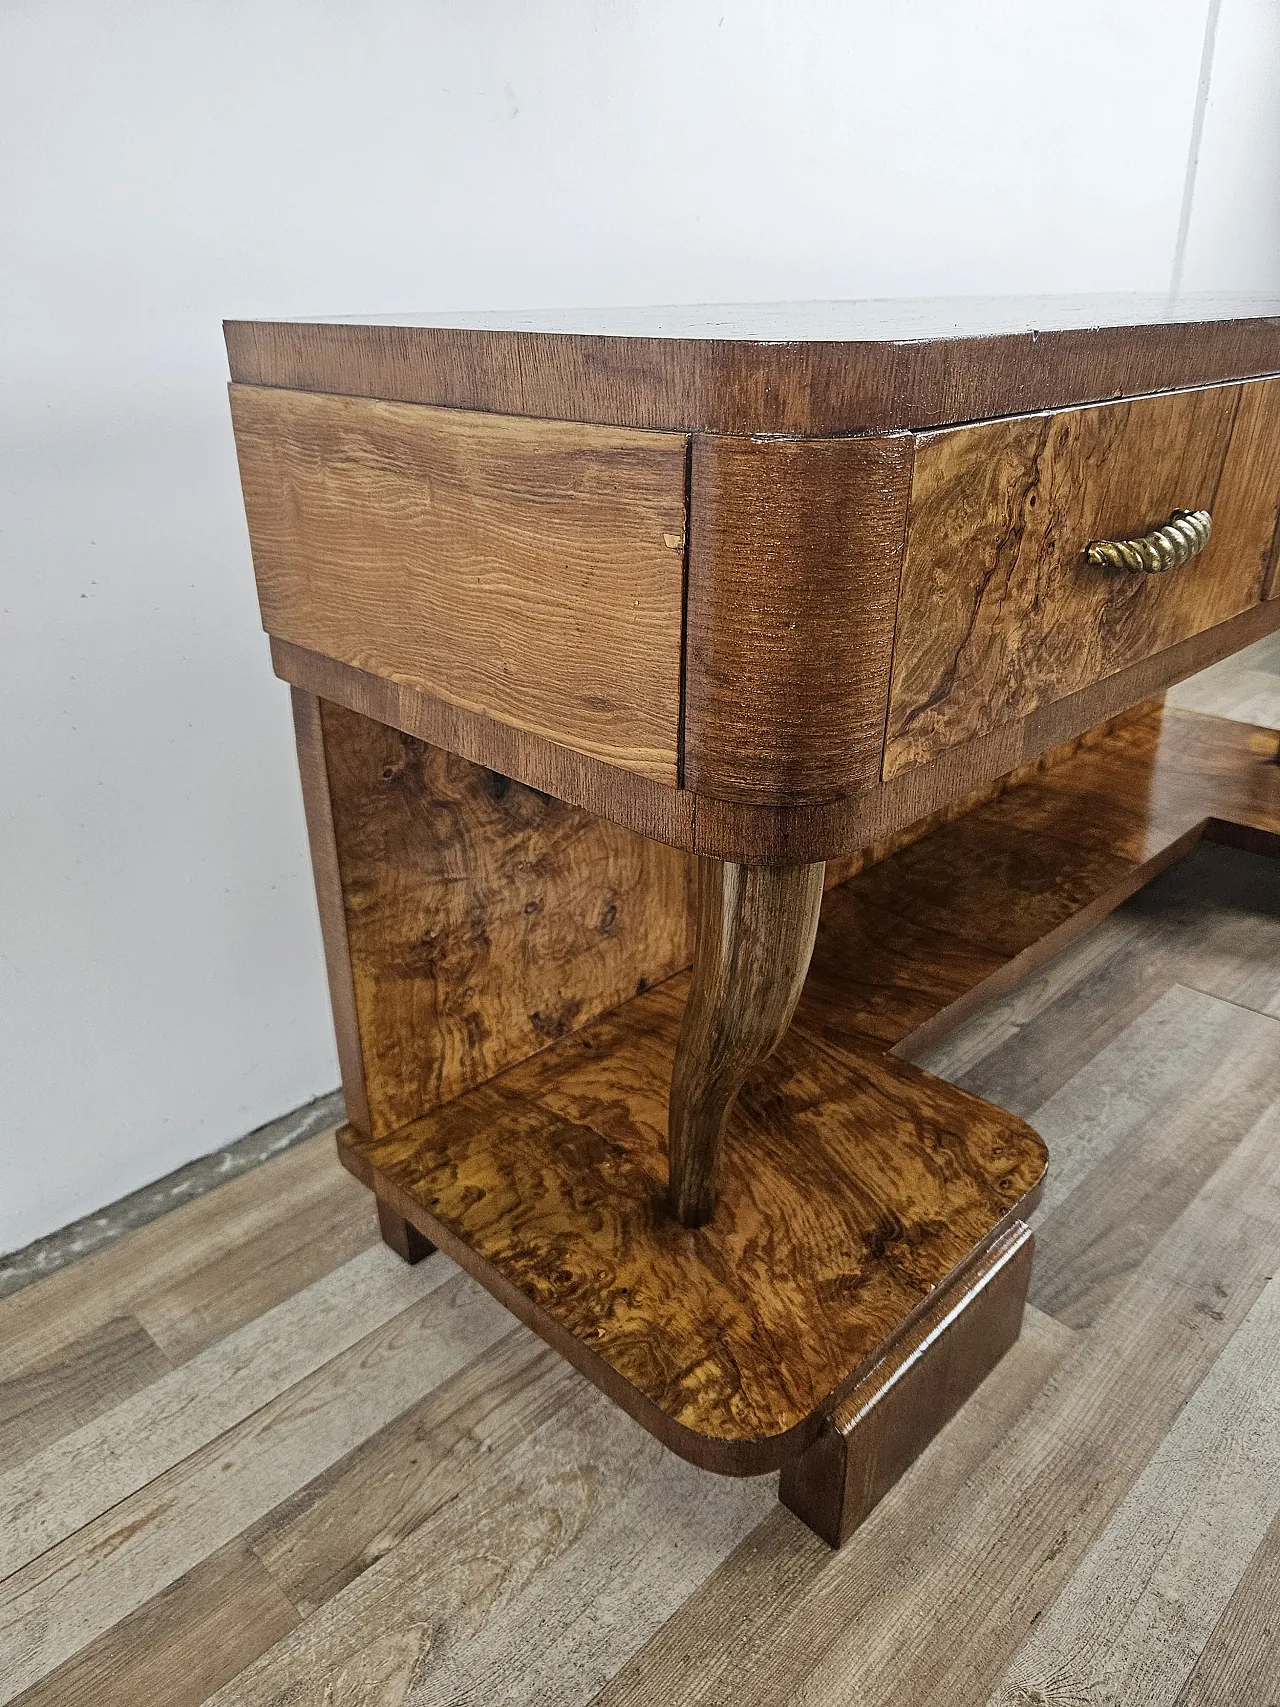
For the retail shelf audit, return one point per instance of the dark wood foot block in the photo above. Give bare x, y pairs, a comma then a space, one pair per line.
884, 1424
402, 1236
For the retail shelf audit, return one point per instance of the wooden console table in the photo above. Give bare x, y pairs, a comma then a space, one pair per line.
862, 599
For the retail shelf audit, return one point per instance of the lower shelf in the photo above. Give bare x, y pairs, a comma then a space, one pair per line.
855, 1185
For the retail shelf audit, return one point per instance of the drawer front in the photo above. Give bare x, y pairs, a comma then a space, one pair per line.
531, 571
999, 612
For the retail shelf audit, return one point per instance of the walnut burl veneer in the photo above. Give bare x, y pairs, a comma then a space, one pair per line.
852, 1190
858, 1187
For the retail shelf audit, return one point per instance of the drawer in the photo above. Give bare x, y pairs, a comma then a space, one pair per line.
999, 612
531, 571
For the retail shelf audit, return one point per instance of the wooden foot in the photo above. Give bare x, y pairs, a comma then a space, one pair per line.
895, 1411
756, 927
404, 1238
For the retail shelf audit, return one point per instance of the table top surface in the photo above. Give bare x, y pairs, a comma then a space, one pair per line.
799, 367
877, 320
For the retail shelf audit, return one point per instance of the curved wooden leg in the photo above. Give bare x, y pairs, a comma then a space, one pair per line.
756, 926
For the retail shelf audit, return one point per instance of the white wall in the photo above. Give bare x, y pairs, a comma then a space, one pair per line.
164, 165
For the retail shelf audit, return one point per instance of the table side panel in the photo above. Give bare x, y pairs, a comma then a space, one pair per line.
999, 613
481, 920
530, 571
795, 552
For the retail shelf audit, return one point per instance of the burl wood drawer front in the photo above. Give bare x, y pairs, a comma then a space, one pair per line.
998, 611
528, 570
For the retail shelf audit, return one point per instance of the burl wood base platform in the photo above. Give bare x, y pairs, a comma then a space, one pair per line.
867, 1263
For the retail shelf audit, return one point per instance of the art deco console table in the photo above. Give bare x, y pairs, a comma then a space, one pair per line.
858, 598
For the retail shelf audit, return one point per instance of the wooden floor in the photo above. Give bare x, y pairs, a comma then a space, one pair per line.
247, 1456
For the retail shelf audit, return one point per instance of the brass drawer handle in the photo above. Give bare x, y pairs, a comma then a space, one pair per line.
1182, 537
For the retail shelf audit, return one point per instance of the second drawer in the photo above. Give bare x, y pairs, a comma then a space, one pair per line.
999, 611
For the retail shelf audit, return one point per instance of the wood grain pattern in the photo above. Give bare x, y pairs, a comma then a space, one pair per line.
893, 1413
317, 806
838, 1214
1143, 1602
1116, 1214
76, 1479
999, 614
528, 571
1246, 521
60, 1393
635, 802
779, 835
332, 1530
791, 835
224, 1291
1241, 1659
552, 1175
554, 1553
838, 871
584, 1503
910, 947
795, 551
797, 368
77, 1590
767, 1603
756, 926
480, 919
72, 1304
181, 1646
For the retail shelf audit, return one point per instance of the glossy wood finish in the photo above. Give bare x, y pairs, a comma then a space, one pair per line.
913, 945
789, 368
893, 1413
794, 558
999, 613
468, 921
853, 1187
732, 1342
530, 571
756, 926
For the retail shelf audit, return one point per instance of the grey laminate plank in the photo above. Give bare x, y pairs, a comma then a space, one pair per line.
1129, 1626
71, 1244
1179, 1088
1063, 1473
345, 1520
932, 1617
76, 1383
720, 1633
75, 1479
1239, 1665
62, 1309
1211, 922
177, 1649
534, 1584
78, 1590
1244, 687
236, 1286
